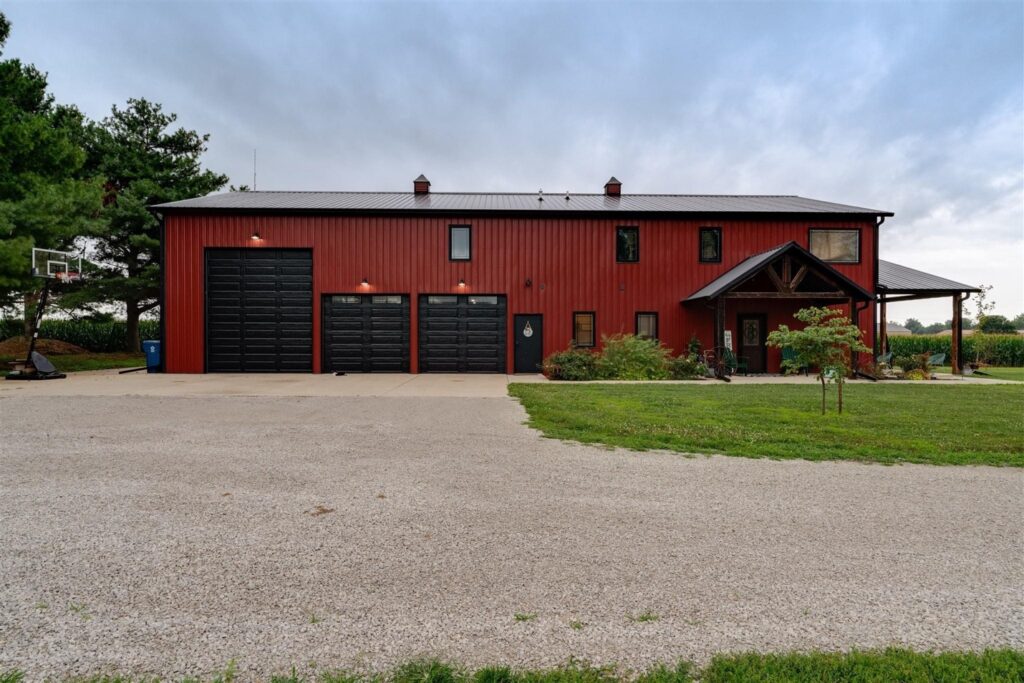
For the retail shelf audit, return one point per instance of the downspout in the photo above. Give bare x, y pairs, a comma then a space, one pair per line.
163, 286
874, 308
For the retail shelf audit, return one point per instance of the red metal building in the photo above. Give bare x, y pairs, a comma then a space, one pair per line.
454, 282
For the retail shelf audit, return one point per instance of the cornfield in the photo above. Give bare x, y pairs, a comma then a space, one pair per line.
98, 337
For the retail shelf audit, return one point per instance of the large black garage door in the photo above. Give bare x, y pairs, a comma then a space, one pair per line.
259, 310
464, 333
366, 333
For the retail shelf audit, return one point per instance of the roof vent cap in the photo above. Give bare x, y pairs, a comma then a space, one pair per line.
613, 188
421, 185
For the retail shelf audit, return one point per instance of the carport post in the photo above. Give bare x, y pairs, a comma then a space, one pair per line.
883, 326
955, 359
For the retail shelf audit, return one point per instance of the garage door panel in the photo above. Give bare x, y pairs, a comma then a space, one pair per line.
366, 332
464, 333
259, 310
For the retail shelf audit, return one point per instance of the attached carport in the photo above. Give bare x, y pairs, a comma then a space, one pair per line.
900, 283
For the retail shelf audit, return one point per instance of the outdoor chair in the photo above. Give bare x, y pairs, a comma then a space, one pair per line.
790, 354
883, 364
735, 363
935, 360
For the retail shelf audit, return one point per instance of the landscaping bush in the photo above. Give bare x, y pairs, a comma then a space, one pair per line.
573, 364
92, 335
685, 367
627, 356
996, 349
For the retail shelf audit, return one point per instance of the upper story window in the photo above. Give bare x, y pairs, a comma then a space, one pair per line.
583, 329
710, 245
835, 246
627, 244
459, 242
647, 325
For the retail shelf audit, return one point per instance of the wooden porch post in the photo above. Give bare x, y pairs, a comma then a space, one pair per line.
719, 323
883, 327
955, 359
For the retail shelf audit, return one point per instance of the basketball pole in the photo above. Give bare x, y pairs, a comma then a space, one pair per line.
37, 319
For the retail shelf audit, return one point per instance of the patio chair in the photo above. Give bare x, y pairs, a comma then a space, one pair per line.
935, 360
883, 364
735, 363
790, 354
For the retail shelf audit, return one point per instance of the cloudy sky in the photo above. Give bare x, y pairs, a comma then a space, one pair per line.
917, 108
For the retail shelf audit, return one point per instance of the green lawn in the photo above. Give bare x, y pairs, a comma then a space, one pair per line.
905, 666
885, 422
1015, 374
87, 361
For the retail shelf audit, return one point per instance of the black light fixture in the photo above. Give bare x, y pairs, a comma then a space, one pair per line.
255, 236
462, 283
365, 282
529, 282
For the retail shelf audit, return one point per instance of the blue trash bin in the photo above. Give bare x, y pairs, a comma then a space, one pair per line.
151, 347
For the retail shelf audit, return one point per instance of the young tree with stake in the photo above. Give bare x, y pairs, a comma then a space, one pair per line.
827, 342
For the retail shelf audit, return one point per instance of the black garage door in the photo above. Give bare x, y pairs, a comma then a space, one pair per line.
464, 333
259, 310
366, 333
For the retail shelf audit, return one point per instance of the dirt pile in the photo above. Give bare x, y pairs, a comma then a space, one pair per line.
18, 346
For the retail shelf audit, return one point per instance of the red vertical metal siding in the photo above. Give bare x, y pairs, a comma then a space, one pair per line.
570, 261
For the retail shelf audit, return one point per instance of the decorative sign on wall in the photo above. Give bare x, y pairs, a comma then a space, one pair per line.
527, 330
727, 339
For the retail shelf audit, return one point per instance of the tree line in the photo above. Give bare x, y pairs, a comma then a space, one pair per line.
73, 184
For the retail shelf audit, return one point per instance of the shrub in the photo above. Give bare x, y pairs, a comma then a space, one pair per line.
626, 356
685, 367
915, 374
573, 364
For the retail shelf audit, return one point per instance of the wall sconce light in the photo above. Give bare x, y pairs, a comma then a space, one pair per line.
529, 282
365, 282
462, 283
255, 236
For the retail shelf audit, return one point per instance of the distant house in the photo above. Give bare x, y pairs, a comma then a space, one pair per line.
894, 330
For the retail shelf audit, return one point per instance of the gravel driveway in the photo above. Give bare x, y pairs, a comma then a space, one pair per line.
171, 535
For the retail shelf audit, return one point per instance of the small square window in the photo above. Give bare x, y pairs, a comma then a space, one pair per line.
583, 329
459, 242
647, 325
710, 245
627, 245
835, 246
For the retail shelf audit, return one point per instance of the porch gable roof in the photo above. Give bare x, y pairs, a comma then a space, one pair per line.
755, 264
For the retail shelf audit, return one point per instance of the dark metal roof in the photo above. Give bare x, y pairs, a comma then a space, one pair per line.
749, 267
446, 202
894, 278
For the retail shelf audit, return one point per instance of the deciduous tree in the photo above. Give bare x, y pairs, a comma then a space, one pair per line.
827, 342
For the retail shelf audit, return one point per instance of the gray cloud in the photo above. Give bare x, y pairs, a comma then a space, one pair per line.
915, 108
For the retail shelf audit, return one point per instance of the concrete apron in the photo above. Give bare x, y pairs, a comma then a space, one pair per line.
110, 383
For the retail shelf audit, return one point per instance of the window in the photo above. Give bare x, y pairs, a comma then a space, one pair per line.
647, 325
627, 245
345, 299
583, 329
458, 242
835, 246
710, 245
483, 301
387, 299
441, 299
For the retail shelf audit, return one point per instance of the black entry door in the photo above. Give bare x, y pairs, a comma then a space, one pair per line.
366, 333
259, 310
528, 331
753, 334
462, 333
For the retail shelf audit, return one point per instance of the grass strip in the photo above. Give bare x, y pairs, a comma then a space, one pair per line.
962, 424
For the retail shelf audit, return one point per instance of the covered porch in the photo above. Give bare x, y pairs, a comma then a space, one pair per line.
764, 291
900, 283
